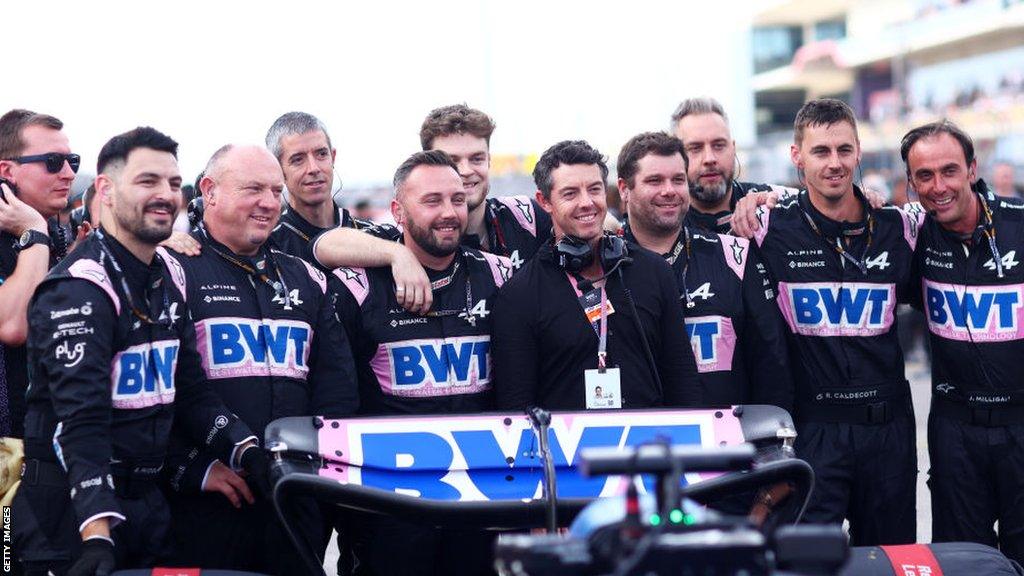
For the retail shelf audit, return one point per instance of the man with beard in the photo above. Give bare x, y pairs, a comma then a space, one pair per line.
272, 348
728, 302
112, 361
586, 309
968, 258
438, 364
703, 127
512, 226
840, 267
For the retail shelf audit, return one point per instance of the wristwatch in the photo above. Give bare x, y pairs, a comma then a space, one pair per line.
32, 237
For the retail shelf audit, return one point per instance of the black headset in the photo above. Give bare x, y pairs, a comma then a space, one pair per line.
574, 255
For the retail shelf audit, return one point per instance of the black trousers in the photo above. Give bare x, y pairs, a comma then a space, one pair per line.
976, 479
211, 533
384, 546
864, 473
45, 530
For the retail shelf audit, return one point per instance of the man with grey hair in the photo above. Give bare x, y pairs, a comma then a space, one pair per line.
300, 143
702, 125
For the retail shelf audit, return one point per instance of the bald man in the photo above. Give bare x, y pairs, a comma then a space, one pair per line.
272, 347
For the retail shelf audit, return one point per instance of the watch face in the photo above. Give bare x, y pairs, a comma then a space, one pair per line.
25, 237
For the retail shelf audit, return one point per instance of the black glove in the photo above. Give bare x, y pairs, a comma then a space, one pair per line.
97, 559
257, 467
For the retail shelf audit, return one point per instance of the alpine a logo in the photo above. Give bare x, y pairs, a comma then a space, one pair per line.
1008, 260
837, 309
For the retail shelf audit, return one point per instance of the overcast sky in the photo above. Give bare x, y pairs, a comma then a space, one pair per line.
213, 72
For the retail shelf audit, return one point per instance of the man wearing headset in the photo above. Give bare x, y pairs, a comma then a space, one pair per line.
972, 289
702, 125
734, 326
840, 267
587, 311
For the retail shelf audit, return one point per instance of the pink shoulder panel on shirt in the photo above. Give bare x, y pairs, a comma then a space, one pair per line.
176, 271
501, 267
94, 272
522, 209
763, 217
913, 216
357, 282
735, 251
316, 275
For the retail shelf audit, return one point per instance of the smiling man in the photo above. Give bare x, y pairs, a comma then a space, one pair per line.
438, 364
587, 312
272, 348
972, 284
511, 226
735, 329
840, 267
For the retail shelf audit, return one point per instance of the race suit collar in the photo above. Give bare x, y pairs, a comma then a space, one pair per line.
830, 227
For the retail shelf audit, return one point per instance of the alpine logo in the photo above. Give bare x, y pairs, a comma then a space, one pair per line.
881, 261
1009, 260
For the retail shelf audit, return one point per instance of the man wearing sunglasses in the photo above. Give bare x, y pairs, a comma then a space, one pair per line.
434, 364
37, 166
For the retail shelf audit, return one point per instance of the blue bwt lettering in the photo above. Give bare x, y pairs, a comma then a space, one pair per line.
139, 372
704, 333
234, 343
828, 305
949, 307
430, 458
412, 363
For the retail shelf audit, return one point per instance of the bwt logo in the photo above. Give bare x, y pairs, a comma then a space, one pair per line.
474, 459
983, 313
713, 340
434, 367
143, 375
239, 347
831, 309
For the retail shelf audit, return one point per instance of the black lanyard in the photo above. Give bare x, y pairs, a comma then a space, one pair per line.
279, 287
141, 315
838, 245
990, 233
686, 265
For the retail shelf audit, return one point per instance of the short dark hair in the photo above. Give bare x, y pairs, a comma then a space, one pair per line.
119, 147
566, 152
455, 119
639, 146
425, 158
822, 112
11, 125
934, 129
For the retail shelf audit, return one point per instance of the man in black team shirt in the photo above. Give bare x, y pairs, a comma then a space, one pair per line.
302, 146
729, 303
585, 312
703, 127
409, 364
38, 166
840, 267
973, 288
511, 226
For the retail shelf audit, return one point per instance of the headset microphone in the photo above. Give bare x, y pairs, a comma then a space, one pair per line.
587, 285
